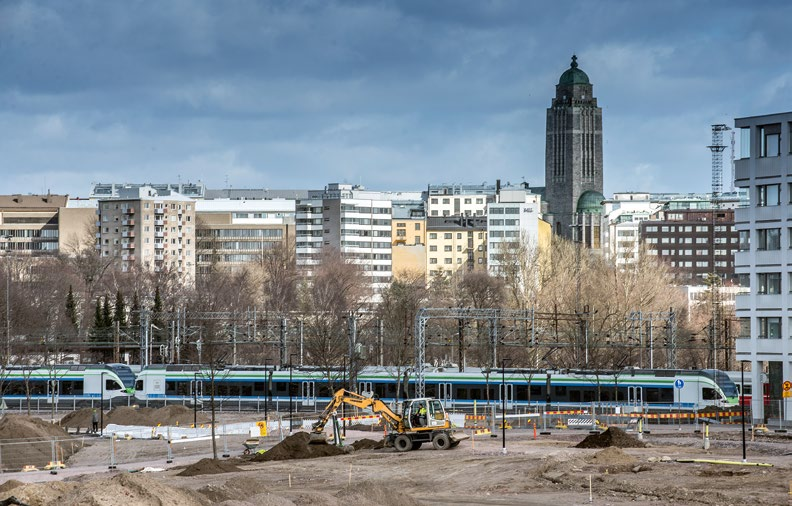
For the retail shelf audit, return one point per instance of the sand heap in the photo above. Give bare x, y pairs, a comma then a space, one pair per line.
611, 437
128, 489
209, 466
35, 436
297, 446
612, 456
368, 444
174, 414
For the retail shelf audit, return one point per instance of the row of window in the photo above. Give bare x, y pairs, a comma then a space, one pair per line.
694, 252
686, 228
48, 233
502, 223
450, 235
272, 233
403, 225
690, 240
468, 201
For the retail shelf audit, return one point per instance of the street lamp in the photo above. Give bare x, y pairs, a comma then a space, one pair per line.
101, 404
267, 379
7, 238
741, 398
195, 400
291, 409
503, 400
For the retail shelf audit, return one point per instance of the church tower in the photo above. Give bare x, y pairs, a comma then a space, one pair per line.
573, 153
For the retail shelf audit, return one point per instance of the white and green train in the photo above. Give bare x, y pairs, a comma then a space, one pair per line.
73, 382
658, 389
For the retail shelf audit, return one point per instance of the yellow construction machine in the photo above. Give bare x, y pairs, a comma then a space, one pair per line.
422, 421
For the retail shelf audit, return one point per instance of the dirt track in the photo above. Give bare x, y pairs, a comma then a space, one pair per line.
533, 472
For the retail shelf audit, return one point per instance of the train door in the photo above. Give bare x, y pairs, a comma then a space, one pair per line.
307, 393
196, 390
365, 388
509, 393
635, 396
445, 394
53, 390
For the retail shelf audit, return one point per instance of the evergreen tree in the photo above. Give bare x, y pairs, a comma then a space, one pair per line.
98, 321
107, 314
119, 315
157, 308
134, 315
71, 307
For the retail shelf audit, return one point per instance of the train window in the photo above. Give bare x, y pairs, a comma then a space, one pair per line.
651, 394
588, 396
260, 388
475, 394
462, 393
139, 385
709, 394
281, 388
560, 390
667, 395
574, 395
247, 390
520, 391
536, 391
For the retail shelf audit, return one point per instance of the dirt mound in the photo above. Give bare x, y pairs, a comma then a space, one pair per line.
297, 446
10, 485
130, 489
209, 466
370, 493
174, 414
612, 456
30, 442
611, 437
368, 444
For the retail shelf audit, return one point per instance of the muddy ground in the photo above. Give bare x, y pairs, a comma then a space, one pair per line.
548, 470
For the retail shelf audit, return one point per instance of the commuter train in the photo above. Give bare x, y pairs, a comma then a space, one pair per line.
76, 382
652, 389
745, 397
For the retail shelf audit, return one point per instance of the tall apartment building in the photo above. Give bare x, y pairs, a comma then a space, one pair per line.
622, 216
454, 244
233, 233
764, 260
514, 219
351, 220
154, 229
695, 242
408, 237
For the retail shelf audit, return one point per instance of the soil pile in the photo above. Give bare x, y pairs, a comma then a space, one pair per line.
209, 466
29, 442
297, 446
612, 456
611, 437
127, 489
174, 414
369, 493
368, 444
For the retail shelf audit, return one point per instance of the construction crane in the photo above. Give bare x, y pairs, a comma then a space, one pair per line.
717, 148
714, 280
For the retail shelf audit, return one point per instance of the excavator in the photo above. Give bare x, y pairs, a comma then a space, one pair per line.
422, 421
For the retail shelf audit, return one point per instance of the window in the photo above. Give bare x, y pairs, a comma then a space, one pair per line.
770, 139
448, 235
446, 201
432, 235
447, 261
468, 201
745, 327
768, 239
401, 225
745, 142
769, 283
432, 260
417, 226
401, 233
769, 327
447, 247
433, 248
417, 239
496, 210
745, 240
768, 195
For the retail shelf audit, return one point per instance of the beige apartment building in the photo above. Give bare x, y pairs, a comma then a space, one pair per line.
233, 233
29, 223
454, 244
154, 229
408, 238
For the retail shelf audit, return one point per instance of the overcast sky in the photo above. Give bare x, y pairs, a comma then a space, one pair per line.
393, 95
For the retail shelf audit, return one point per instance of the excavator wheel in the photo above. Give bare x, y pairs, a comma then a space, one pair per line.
403, 443
441, 441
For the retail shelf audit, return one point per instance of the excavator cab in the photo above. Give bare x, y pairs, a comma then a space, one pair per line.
423, 413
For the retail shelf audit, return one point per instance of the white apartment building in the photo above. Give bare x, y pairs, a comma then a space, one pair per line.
352, 220
621, 220
764, 258
459, 200
513, 219
151, 228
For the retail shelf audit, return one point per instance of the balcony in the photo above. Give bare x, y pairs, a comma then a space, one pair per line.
159, 223
128, 258
159, 245
128, 223
129, 210
159, 210
159, 234
127, 234
128, 245
159, 258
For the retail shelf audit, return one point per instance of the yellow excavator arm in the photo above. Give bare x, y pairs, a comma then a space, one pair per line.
343, 396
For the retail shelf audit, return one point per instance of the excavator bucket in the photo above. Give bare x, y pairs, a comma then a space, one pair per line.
317, 439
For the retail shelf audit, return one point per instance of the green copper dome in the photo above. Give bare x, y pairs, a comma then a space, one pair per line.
573, 75
590, 202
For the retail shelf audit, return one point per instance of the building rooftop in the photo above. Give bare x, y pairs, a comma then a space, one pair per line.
22, 202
